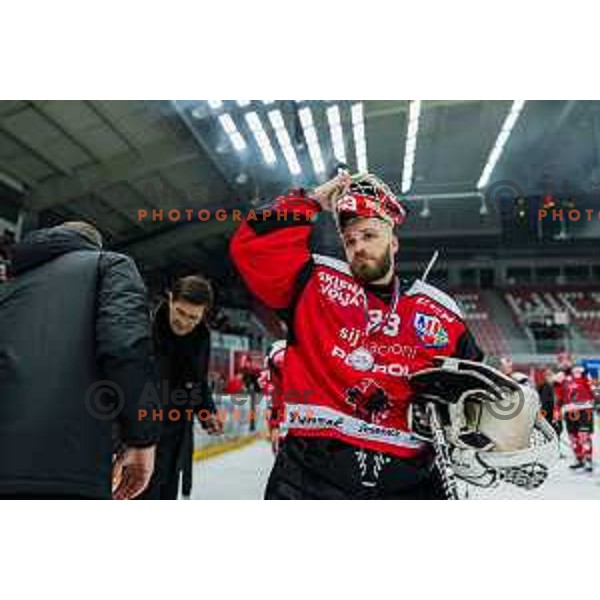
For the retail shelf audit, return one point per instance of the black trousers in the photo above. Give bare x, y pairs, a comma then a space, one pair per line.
580, 420
164, 484
323, 469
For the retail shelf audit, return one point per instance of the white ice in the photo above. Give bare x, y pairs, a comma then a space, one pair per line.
242, 475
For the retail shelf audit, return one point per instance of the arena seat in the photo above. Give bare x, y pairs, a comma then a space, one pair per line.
487, 331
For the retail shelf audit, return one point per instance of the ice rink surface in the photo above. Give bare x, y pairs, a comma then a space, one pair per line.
242, 475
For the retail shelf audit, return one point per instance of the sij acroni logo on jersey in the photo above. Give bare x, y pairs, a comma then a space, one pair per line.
430, 330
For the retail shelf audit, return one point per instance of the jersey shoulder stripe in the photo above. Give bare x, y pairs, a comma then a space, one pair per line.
332, 263
425, 289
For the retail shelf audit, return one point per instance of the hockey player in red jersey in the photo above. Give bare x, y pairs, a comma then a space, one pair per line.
577, 401
354, 337
271, 383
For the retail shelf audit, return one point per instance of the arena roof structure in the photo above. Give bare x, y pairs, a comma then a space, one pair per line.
106, 160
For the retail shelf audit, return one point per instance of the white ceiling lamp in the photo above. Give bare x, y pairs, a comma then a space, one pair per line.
507, 127
261, 137
337, 133
200, 111
410, 148
214, 104
360, 143
243, 103
310, 133
232, 131
284, 142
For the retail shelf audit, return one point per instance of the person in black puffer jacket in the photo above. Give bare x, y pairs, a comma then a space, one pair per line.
75, 347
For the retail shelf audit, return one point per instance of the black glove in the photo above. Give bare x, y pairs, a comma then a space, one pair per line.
451, 378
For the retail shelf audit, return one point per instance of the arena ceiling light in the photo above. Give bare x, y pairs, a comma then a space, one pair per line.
284, 142
360, 144
232, 131
261, 137
310, 133
507, 127
337, 133
214, 104
410, 148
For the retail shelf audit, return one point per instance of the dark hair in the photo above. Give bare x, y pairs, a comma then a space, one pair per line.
194, 289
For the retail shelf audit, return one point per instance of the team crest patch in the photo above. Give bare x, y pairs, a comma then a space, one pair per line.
430, 330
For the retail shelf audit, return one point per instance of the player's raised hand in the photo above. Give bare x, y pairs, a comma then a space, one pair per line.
327, 193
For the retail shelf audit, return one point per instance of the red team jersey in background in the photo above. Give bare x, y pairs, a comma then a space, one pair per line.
324, 384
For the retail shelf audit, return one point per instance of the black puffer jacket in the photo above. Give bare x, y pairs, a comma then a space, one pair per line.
72, 318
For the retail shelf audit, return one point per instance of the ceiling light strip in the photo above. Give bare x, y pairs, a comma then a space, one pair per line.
232, 131
261, 137
360, 144
410, 148
310, 133
336, 132
285, 143
507, 127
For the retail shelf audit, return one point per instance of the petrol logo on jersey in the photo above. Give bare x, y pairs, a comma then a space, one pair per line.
430, 330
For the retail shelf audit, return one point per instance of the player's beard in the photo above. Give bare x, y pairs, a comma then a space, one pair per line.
378, 267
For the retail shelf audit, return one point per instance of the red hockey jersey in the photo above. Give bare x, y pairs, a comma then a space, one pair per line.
271, 384
338, 381
578, 394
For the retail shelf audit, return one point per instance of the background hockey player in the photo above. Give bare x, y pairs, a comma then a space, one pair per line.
354, 337
578, 413
271, 382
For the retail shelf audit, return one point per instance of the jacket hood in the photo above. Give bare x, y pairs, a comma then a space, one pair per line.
44, 245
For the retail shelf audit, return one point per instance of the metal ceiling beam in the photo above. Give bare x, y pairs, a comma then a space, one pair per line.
208, 151
114, 206
58, 190
33, 151
140, 195
178, 235
103, 116
13, 112
182, 197
545, 147
13, 182
39, 108
596, 137
19, 176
